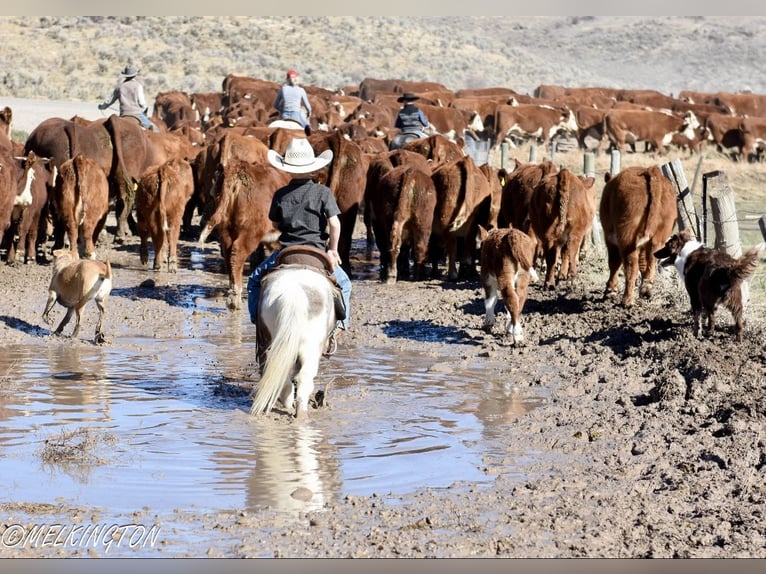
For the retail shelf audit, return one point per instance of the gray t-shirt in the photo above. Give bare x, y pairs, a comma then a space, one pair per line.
301, 210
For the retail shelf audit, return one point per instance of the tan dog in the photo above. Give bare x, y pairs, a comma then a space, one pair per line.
74, 283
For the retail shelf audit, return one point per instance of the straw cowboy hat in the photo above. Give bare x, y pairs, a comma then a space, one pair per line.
129, 72
408, 97
299, 157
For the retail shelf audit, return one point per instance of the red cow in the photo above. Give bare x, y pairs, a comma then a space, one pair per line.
506, 268
561, 212
403, 211
161, 198
81, 201
461, 188
638, 211
517, 195
656, 128
242, 201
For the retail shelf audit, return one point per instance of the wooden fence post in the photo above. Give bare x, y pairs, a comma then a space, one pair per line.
687, 216
614, 165
724, 218
503, 154
589, 170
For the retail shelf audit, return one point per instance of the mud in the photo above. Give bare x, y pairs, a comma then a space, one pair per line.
611, 433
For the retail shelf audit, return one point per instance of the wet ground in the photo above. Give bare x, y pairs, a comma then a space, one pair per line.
612, 432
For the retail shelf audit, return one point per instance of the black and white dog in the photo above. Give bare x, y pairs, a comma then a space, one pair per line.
712, 278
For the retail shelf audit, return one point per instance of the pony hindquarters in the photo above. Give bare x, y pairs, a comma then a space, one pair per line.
296, 312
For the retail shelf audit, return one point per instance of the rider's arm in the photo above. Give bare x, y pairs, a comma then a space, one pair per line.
306, 103
110, 100
332, 248
278, 101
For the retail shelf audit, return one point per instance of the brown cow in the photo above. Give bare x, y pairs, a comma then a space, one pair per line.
345, 176
403, 211
173, 108
449, 122
590, 124
517, 195
242, 201
638, 212
461, 188
561, 212
506, 267
81, 201
33, 179
724, 131
754, 137
161, 198
437, 149
6, 118
532, 121
656, 128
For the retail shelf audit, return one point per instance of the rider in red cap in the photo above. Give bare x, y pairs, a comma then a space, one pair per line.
290, 98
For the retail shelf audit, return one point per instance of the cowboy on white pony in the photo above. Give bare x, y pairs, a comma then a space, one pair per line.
305, 213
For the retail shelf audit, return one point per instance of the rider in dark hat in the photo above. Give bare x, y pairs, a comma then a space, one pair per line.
411, 119
130, 94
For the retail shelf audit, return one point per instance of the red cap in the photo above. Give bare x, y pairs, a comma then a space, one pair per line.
291, 73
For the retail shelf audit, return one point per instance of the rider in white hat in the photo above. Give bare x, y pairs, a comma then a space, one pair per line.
306, 213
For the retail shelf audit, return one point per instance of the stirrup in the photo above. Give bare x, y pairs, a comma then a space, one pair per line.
332, 342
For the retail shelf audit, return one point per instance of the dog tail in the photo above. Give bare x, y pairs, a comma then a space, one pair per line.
745, 266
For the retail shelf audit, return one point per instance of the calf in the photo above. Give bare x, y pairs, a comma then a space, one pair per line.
33, 179
638, 211
243, 195
81, 202
506, 267
161, 198
561, 213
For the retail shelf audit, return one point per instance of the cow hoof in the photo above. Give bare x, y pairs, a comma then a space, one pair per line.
100, 339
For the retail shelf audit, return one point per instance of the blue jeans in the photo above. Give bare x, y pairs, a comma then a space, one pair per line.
254, 288
145, 121
297, 116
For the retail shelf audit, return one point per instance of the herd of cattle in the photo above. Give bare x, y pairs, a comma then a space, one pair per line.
419, 203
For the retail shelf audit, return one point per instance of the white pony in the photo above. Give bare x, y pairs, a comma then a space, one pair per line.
296, 314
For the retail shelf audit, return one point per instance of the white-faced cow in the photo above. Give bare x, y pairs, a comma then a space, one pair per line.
530, 121
506, 269
656, 128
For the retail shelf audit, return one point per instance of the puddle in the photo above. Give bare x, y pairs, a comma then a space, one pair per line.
171, 427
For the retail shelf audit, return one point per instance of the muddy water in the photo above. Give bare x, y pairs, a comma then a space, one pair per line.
168, 427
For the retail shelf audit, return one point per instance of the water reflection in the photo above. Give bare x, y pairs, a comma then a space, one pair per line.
395, 422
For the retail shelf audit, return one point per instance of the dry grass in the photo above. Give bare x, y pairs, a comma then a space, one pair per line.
78, 57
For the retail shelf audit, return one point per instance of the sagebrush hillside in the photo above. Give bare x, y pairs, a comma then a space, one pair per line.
79, 57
